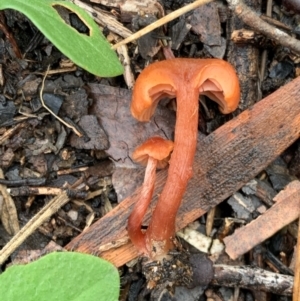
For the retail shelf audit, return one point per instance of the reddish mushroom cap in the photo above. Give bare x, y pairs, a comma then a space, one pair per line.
155, 147
214, 78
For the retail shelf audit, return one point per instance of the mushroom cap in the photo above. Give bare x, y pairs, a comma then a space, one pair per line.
214, 78
155, 147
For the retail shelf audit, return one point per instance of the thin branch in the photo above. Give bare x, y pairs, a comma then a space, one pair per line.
9, 216
296, 288
265, 52
9, 133
252, 278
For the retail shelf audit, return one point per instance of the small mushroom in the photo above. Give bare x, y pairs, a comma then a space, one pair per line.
154, 153
183, 79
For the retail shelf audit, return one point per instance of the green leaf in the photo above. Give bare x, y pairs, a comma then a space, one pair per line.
64, 276
91, 52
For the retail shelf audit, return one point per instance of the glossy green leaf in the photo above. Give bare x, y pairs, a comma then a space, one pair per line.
64, 276
91, 52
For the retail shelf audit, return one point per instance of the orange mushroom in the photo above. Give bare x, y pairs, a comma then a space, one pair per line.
154, 153
182, 79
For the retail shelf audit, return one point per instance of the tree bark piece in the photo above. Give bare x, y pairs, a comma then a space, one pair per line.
225, 161
285, 211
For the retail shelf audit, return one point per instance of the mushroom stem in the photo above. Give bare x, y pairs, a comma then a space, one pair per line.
162, 225
136, 217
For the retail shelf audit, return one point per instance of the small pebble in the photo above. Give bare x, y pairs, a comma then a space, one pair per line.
73, 215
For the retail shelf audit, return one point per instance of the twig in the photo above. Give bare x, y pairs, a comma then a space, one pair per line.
29, 181
9, 214
51, 112
175, 14
168, 53
265, 52
125, 60
276, 23
254, 21
210, 220
93, 194
33, 224
252, 278
275, 264
72, 193
69, 224
296, 288
71, 170
58, 71
9, 133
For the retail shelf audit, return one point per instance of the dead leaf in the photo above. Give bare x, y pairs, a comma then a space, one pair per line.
127, 180
112, 108
97, 137
205, 22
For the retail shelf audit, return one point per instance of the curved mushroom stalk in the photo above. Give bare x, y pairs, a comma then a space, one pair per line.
135, 220
184, 79
155, 153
